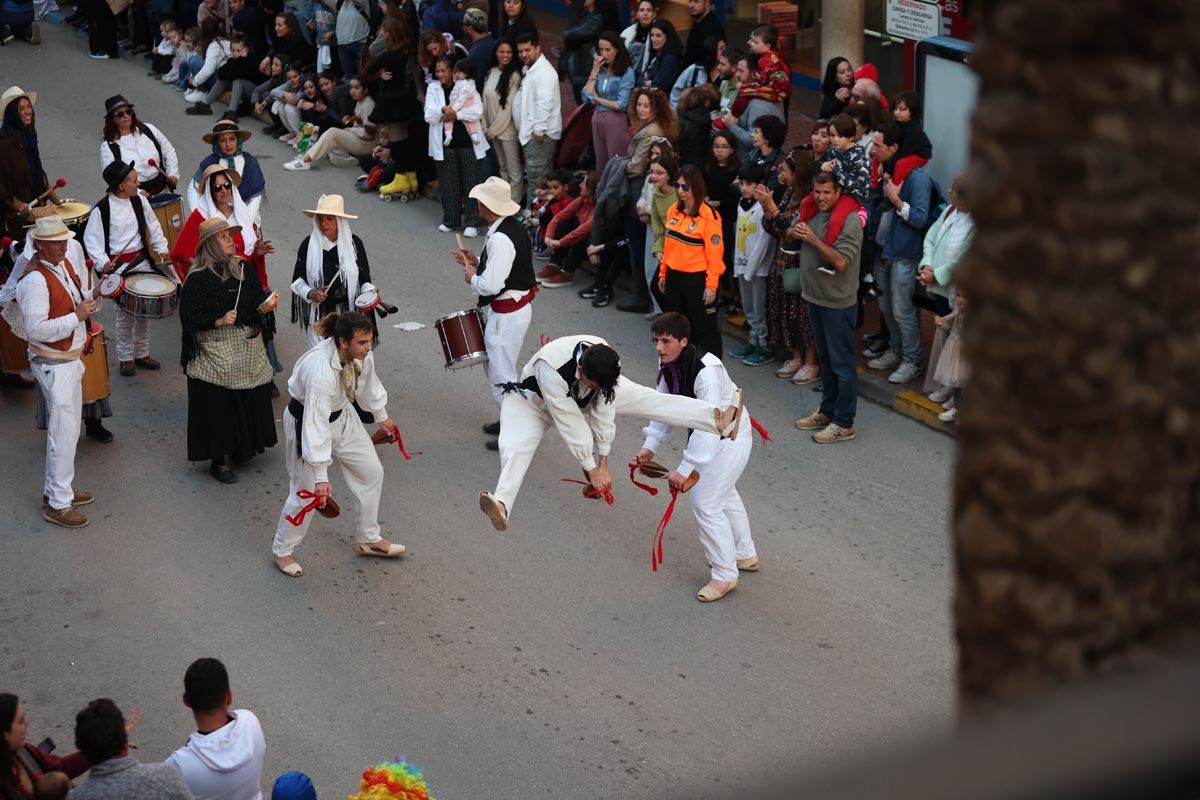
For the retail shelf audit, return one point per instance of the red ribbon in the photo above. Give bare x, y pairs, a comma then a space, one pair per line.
762, 432
315, 502
591, 493
656, 548
645, 487
399, 440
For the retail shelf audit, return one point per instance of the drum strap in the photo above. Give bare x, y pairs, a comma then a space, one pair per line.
138, 213
296, 409
145, 131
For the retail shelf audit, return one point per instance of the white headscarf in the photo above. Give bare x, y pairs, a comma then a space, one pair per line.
208, 207
347, 258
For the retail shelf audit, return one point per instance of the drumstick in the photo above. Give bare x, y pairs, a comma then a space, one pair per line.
461, 245
154, 164
58, 184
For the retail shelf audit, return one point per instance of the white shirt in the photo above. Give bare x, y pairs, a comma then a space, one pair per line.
754, 248
583, 430
33, 295
139, 149
501, 253
317, 383
713, 385
124, 236
540, 103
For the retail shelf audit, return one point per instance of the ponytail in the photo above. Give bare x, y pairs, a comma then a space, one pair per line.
341, 326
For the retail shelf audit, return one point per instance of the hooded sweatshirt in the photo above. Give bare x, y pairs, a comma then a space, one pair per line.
226, 763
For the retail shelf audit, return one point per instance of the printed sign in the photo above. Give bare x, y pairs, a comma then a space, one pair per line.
913, 19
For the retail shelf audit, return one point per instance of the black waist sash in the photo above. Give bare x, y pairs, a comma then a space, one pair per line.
296, 409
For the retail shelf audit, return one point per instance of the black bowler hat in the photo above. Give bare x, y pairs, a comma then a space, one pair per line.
115, 102
116, 172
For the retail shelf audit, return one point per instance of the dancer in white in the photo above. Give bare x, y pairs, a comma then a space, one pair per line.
55, 312
115, 239
575, 384
721, 518
321, 425
503, 278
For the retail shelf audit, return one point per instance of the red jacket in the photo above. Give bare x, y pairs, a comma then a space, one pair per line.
73, 764
581, 210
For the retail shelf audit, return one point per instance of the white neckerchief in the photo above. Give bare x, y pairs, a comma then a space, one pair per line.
347, 259
209, 209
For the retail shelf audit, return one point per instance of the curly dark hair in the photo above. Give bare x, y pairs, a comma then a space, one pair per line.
100, 731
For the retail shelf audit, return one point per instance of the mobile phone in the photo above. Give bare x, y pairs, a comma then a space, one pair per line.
46, 745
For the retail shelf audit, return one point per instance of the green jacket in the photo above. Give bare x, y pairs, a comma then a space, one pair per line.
945, 243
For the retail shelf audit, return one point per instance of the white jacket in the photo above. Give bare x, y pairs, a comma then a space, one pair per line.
436, 98
225, 764
214, 58
539, 109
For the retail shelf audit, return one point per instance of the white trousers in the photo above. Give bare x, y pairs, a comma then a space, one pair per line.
62, 386
352, 449
721, 518
133, 336
524, 420
503, 337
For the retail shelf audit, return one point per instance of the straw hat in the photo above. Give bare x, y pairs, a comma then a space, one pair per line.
332, 205
213, 169
14, 92
225, 125
496, 194
212, 226
51, 229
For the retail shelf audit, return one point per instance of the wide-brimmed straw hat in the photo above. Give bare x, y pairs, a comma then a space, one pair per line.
225, 125
51, 229
332, 205
496, 194
213, 169
14, 92
212, 226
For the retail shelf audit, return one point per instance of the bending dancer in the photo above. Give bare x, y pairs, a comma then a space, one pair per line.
331, 267
504, 280
575, 384
687, 371
325, 383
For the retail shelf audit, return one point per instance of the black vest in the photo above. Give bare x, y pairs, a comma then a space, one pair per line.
138, 213
569, 372
690, 362
520, 277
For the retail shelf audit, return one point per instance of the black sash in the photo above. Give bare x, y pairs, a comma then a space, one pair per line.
296, 408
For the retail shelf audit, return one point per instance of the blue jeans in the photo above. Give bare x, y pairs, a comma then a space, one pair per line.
833, 335
195, 63
896, 281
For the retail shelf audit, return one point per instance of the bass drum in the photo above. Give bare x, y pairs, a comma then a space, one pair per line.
168, 208
95, 368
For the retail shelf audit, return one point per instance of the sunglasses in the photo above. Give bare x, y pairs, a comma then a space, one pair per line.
124, 112
683, 187
220, 187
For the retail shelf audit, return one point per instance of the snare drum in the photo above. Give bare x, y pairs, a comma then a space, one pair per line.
461, 334
95, 368
112, 286
150, 296
74, 214
169, 210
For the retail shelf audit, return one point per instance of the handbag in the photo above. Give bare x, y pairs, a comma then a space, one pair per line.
791, 281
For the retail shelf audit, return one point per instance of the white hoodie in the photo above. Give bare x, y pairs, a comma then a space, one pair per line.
226, 763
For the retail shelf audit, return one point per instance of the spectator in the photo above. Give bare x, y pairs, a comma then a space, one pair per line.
724, 192
819, 141
465, 102
555, 198
17, 20
636, 34
695, 75
666, 51
183, 62
695, 124
293, 786
22, 765
480, 44
432, 45
912, 206
944, 383
579, 48
282, 98
459, 163
705, 35
212, 9
516, 21
239, 70
311, 105
742, 127
352, 139
396, 108
246, 18
168, 52
661, 178
788, 325
835, 88
660, 147
754, 250
102, 32
445, 16
866, 116
767, 137
499, 91
915, 148
849, 165
539, 110
693, 260
864, 88
291, 43
567, 236
202, 72
829, 277
101, 737
771, 77
650, 117
609, 86
947, 241
223, 758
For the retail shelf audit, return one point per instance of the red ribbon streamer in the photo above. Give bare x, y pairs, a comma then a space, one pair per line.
645, 487
314, 504
656, 548
591, 493
400, 443
762, 432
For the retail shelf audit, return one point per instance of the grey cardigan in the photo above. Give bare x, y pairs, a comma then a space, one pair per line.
126, 779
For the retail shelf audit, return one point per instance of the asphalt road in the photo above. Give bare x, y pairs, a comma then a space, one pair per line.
546, 661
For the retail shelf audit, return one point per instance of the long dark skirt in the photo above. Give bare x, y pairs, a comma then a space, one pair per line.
228, 422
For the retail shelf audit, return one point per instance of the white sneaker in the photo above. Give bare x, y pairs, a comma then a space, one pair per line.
889, 360
194, 96
906, 372
941, 396
445, 229
297, 163
471, 233
949, 415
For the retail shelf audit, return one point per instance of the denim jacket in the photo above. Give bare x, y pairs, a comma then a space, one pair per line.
612, 87
906, 235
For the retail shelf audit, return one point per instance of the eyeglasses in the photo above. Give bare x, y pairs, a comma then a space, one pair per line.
683, 187
124, 112
220, 187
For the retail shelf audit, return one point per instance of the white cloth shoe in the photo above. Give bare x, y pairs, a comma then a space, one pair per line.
906, 372
949, 415
889, 360
194, 96
297, 163
445, 228
471, 233
941, 396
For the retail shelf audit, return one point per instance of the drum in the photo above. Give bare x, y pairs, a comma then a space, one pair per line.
74, 214
13, 355
268, 305
462, 339
150, 296
367, 300
169, 210
95, 368
112, 286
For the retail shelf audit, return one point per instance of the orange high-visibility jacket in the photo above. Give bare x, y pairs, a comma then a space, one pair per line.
693, 244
